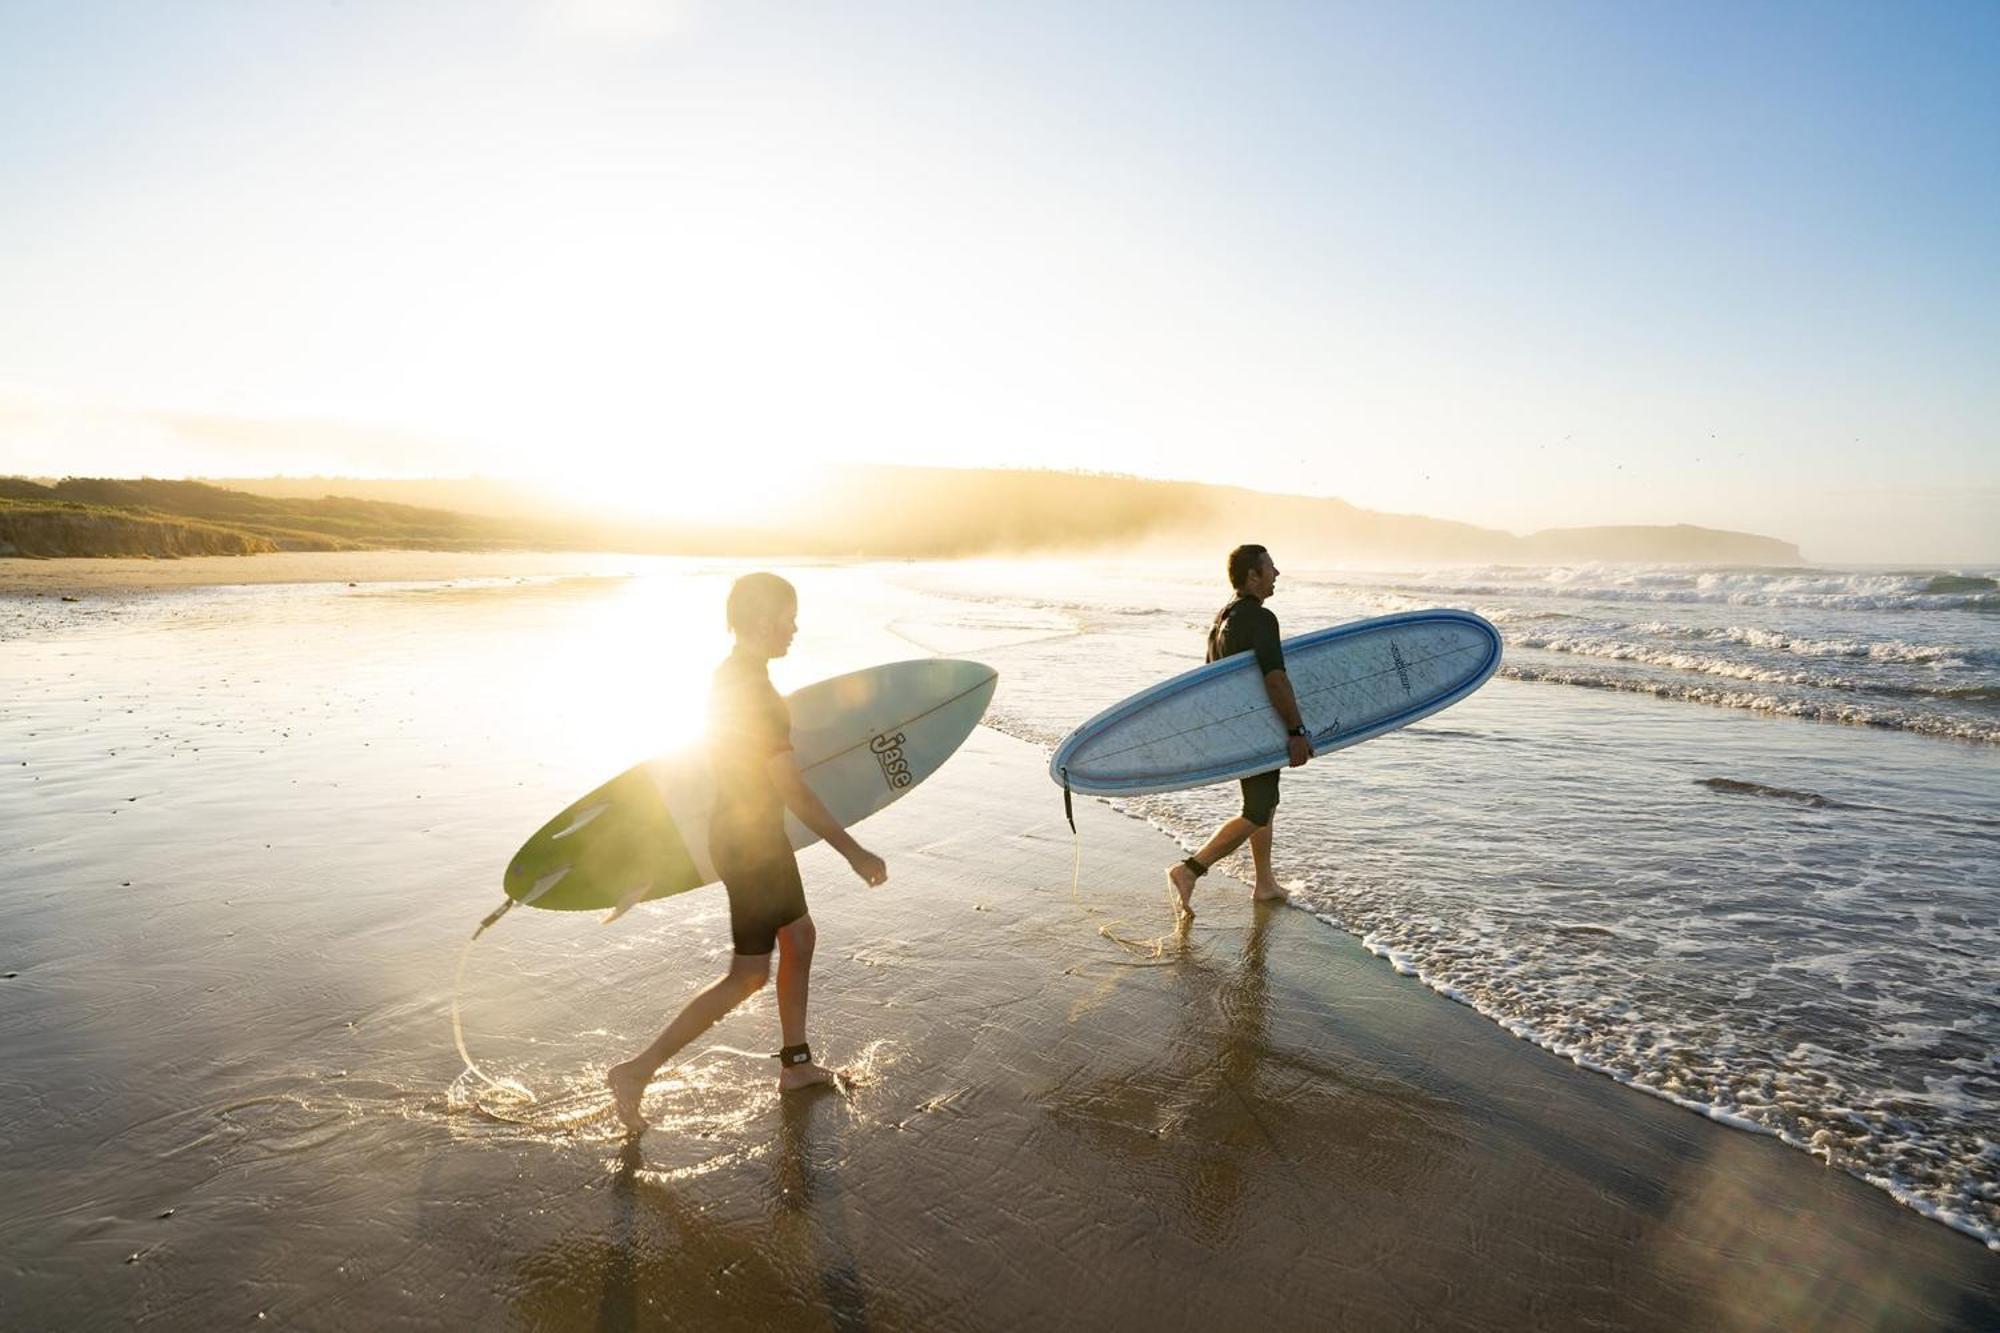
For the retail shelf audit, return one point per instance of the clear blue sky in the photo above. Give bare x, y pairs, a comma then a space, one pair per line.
1518, 264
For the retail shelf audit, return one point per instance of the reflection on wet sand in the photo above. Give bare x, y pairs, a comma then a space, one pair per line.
810, 1211
662, 1259
1220, 1119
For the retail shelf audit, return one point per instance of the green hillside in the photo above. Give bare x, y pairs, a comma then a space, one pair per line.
87, 516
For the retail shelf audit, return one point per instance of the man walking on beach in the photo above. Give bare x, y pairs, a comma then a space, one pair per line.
1246, 626
756, 779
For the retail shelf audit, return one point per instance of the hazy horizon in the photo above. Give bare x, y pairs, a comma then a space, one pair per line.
1530, 268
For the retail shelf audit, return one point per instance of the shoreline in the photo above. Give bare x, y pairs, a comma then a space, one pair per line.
1401, 965
1306, 1059
82, 575
1721, 1116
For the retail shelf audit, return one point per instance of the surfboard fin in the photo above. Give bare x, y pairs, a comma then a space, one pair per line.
631, 900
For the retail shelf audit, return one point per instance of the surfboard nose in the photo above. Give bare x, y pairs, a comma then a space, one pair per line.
967, 678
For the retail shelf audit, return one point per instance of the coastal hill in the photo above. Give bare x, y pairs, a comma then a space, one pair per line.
881, 511
80, 516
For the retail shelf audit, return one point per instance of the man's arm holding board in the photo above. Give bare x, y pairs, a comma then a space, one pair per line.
1278, 685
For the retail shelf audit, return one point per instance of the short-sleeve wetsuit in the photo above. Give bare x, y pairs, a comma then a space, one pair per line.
749, 723
1247, 626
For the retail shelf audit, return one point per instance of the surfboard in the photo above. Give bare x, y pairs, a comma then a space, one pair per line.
1354, 682
863, 740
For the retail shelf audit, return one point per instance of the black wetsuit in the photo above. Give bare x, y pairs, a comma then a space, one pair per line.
1247, 626
748, 723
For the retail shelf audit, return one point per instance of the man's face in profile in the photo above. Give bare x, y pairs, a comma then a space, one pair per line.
1263, 580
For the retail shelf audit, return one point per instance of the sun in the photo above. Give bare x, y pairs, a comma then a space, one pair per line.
706, 490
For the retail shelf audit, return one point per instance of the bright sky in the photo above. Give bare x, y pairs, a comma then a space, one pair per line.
1521, 264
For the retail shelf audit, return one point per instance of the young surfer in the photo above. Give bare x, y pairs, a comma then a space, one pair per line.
756, 779
1246, 626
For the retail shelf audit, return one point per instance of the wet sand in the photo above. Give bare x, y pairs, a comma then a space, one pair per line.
1260, 1125
229, 1087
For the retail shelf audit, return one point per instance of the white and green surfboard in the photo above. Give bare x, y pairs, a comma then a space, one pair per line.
863, 740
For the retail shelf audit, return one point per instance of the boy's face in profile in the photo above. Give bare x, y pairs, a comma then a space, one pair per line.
771, 634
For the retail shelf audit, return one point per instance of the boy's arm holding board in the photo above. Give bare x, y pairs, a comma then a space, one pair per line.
810, 811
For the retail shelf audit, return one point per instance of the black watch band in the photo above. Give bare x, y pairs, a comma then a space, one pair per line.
1300, 730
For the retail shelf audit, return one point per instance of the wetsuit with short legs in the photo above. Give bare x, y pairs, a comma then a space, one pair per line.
748, 724
1247, 626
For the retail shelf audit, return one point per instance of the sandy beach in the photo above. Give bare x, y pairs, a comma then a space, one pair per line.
231, 1091
109, 577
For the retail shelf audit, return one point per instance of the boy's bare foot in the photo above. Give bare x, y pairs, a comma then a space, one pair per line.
793, 1077
1182, 880
628, 1088
1269, 891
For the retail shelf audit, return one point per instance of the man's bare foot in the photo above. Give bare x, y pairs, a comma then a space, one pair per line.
628, 1088
1182, 880
1269, 891
793, 1077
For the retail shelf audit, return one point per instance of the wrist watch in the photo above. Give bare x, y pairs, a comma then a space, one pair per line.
1300, 730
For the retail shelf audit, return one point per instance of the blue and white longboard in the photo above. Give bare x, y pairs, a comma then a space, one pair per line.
1354, 682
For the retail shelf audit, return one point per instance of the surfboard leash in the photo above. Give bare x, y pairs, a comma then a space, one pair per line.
1151, 950
457, 985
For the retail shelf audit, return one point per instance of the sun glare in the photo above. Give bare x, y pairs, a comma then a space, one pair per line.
650, 644
705, 490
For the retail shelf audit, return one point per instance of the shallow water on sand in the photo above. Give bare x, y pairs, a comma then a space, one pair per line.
247, 830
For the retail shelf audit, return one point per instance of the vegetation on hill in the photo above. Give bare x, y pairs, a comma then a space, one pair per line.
149, 517
60, 527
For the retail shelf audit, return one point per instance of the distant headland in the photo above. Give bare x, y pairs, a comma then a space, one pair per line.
854, 511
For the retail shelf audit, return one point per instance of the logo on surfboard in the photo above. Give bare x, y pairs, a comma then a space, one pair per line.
888, 751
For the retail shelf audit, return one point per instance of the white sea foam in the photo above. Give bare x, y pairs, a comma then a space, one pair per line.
1730, 1090
1966, 728
1721, 587
1885, 650
1619, 650
1936, 683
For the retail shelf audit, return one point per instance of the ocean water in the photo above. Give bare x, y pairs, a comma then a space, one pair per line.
1730, 836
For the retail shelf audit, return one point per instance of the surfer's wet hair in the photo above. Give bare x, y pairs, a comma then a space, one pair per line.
1243, 562
754, 597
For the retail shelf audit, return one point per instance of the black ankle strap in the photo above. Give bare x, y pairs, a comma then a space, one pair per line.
800, 1054
1195, 868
